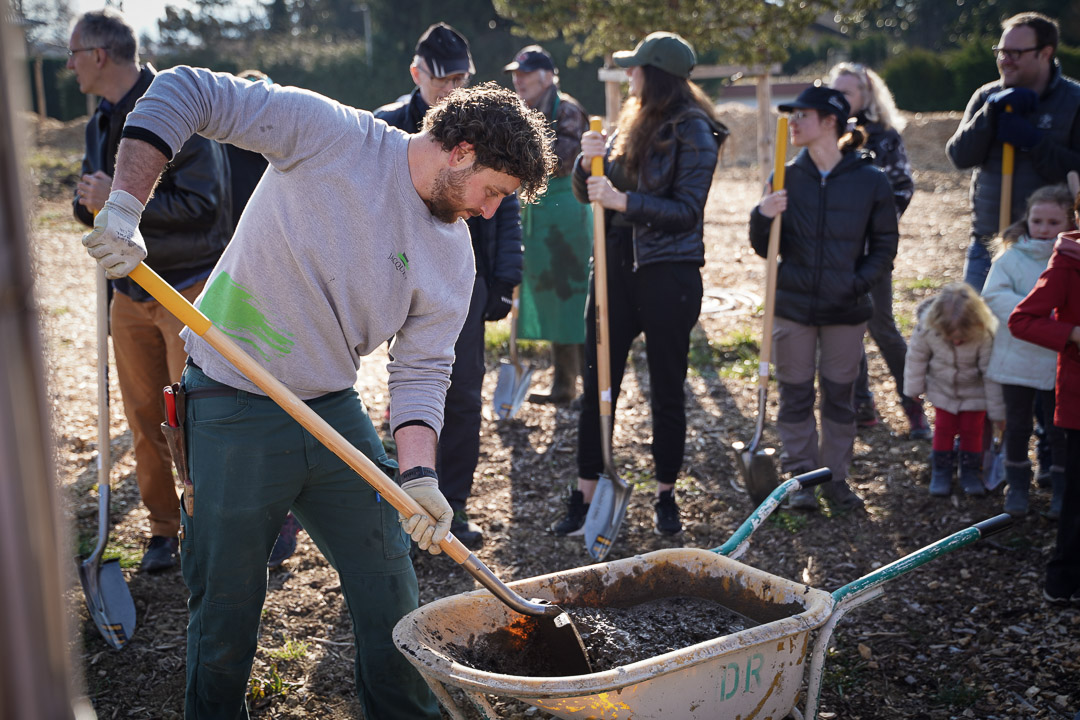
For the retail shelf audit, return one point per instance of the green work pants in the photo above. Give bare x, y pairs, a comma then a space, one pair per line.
250, 463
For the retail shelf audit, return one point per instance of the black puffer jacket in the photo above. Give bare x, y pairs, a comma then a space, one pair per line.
838, 236
188, 221
666, 202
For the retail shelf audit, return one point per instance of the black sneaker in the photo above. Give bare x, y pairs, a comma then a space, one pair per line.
667, 514
285, 545
469, 533
574, 522
161, 554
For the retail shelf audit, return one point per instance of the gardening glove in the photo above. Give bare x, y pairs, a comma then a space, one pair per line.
1021, 100
1017, 130
115, 242
425, 491
500, 300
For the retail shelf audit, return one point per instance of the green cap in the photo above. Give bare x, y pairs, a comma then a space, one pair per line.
663, 50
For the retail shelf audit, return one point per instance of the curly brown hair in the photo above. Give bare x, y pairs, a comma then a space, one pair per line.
505, 133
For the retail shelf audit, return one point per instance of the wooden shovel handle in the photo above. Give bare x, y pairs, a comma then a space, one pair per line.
187, 313
603, 341
771, 256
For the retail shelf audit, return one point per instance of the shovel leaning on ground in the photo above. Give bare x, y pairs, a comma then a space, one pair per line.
107, 596
552, 628
757, 465
608, 506
514, 376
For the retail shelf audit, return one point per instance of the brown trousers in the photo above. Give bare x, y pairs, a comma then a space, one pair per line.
149, 356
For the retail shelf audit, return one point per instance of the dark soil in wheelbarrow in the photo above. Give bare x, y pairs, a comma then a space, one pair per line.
612, 637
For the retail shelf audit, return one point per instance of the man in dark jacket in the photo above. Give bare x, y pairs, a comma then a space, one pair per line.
1033, 107
186, 226
443, 63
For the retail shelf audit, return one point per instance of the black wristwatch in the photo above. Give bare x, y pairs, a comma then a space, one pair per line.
415, 473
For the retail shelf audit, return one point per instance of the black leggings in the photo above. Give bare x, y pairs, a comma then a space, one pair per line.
1019, 423
663, 301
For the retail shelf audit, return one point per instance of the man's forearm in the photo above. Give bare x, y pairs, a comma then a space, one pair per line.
138, 168
416, 445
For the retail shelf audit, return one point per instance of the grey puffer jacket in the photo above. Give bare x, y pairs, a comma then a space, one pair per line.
952, 377
666, 202
838, 236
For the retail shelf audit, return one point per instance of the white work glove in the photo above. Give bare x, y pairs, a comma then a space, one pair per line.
115, 242
425, 491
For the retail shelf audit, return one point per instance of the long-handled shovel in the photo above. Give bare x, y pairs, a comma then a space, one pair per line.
514, 376
608, 506
757, 465
107, 596
553, 628
1007, 161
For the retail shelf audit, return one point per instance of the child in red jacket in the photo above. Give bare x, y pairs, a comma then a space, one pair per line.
1050, 316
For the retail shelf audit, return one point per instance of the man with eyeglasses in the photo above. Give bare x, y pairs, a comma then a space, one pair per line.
186, 226
441, 64
1034, 108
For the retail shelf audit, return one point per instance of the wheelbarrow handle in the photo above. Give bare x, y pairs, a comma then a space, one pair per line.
921, 557
737, 543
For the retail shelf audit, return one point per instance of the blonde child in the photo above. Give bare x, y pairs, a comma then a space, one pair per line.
947, 360
1026, 371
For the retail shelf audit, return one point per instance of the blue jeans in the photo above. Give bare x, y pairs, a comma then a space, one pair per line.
977, 263
250, 462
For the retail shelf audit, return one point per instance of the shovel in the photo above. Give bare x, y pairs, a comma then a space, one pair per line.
757, 465
107, 596
608, 506
514, 376
1007, 161
552, 628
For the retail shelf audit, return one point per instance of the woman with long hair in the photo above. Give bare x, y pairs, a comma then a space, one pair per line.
838, 238
658, 168
874, 113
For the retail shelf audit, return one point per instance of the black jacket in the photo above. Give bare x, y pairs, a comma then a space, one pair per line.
886, 148
496, 242
666, 202
188, 221
838, 236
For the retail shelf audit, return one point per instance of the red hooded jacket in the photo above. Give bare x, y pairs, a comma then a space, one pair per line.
1048, 315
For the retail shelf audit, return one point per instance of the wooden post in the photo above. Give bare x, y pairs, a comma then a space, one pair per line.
39, 85
612, 93
764, 130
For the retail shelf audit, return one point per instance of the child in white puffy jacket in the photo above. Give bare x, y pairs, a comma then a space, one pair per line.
947, 360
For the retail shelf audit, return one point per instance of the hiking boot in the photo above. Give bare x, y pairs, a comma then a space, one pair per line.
919, 427
161, 554
574, 522
942, 470
803, 499
1057, 499
971, 473
566, 361
840, 496
866, 414
1018, 477
285, 545
667, 514
469, 533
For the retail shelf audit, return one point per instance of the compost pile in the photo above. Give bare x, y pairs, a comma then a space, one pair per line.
966, 636
612, 636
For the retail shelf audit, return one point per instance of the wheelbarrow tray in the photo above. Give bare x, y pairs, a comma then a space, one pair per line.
753, 673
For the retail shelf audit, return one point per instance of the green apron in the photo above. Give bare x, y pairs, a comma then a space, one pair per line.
557, 233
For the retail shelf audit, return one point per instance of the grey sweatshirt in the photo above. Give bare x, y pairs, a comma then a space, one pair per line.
335, 252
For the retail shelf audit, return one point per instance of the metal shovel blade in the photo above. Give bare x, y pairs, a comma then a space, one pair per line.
108, 600
605, 516
511, 388
758, 470
560, 640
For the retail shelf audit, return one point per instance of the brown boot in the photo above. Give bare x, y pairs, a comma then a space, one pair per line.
566, 359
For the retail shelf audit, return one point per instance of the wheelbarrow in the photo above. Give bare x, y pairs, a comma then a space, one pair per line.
753, 673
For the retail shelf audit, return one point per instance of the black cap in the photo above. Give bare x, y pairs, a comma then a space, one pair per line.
445, 51
823, 99
531, 57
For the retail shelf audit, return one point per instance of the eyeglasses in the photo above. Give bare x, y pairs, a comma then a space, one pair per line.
454, 81
799, 115
1013, 54
72, 51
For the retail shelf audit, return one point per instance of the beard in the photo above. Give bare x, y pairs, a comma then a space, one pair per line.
448, 195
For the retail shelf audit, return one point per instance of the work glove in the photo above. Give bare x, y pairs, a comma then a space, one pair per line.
500, 300
1018, 131
1021, 100
115, 242
427, 536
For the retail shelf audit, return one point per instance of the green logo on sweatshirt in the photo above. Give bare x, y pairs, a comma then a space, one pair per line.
400, 260
236, 312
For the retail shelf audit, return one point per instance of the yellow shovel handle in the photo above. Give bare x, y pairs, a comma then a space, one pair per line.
1008, 158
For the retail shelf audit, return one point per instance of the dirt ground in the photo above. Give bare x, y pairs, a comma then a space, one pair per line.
965, 636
